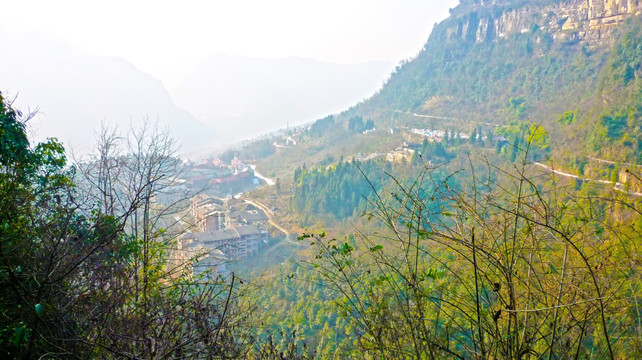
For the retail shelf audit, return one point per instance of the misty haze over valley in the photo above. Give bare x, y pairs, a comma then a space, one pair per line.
271, 180
224, 100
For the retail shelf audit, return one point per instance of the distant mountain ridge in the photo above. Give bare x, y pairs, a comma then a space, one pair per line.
75, 93
225, 99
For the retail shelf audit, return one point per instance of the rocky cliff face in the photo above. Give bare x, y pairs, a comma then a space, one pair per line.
592, 20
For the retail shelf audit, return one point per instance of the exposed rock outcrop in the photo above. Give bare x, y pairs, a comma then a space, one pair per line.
592, 20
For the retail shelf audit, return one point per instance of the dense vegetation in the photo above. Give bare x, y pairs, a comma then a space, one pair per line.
86, 271
498, 274
322, 126
470, 255
618, 131
341, 190
485, 263
300, 309
521, 136
483, 77
526, 76
356, 124
465, 250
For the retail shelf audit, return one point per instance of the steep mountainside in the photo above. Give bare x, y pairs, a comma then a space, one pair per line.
492, 62
565, 19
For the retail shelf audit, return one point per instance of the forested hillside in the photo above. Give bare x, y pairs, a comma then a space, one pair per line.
499, 61
485, 204
468, 245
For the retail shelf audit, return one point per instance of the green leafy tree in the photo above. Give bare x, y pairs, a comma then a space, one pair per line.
322, 126
501, 268
84, 265
567, 118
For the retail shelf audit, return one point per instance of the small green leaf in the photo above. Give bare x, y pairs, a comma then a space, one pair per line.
19, 336
552, 269
346, 249
304, 236
376, 248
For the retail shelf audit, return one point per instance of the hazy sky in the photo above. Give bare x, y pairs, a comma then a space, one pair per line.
167, 38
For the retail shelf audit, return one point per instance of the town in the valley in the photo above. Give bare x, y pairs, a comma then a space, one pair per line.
221, 227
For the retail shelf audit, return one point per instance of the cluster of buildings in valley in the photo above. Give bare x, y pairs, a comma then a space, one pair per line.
439, 135
222, 231
404, 153
217, 178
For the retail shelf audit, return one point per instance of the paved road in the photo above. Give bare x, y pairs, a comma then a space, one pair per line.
617, 186
613, 162
269, 214
268, 181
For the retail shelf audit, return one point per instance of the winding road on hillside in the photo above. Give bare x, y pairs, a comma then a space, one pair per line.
609, 162
269, 214
268, 181
617, 186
